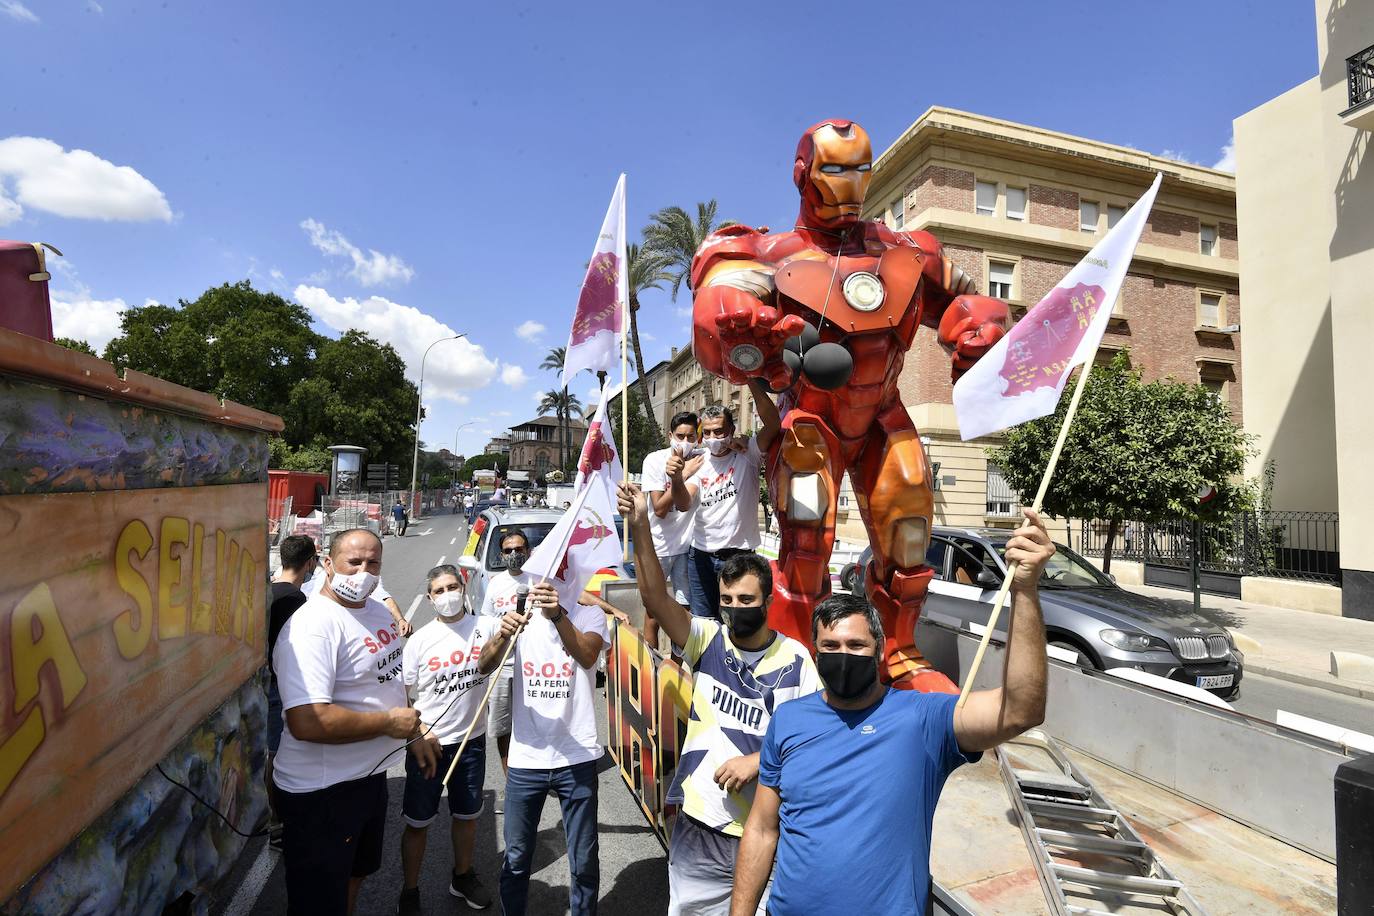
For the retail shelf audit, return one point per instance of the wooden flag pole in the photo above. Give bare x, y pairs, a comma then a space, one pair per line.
1084, 371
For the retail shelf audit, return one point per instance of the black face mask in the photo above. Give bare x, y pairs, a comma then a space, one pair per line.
515, 562
744, 621
846, 675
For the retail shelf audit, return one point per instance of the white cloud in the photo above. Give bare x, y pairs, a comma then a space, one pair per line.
372, 268
538, 396
513, 375
277, 275
645, 335
77, 315
530, 330
684, 311
454, 366
16, 10
74, 183
1179, 157
1227, 162
94, 7
501, 413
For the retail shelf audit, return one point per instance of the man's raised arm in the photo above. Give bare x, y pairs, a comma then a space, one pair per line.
990, 717
653, 589
768, 413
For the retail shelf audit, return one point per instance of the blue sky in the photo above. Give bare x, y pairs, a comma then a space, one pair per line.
411, 168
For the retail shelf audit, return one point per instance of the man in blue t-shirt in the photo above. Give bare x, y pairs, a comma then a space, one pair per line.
849, 777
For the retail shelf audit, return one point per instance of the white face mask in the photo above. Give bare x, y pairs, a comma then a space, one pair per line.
718, 447
684, 447
449, 604
353, 587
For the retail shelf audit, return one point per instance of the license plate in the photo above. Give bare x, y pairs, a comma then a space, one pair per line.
1210, 682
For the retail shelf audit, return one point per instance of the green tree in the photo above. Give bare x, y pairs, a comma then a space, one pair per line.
311, 458
646, 271
1136, 451
553, 361
235, 341
563, 405
72, 343
673, 236
495, 463
644, 435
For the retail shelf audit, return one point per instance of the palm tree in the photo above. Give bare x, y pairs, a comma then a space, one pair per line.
675, 237
554, 360
559, 402
646, 271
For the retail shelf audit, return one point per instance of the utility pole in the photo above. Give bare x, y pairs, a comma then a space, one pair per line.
419, 407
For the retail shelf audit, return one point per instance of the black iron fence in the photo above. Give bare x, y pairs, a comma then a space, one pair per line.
1359, 72
1285, 545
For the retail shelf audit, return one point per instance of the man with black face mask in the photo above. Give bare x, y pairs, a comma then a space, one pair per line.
874, 843
741, 672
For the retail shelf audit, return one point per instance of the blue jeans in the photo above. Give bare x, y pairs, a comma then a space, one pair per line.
704, 574
525, 791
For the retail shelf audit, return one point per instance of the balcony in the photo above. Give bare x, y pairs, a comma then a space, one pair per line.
1359, 72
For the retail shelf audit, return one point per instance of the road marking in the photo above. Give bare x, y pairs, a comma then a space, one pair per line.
452, 542
425, 532
413, 605
253, 883
440, 561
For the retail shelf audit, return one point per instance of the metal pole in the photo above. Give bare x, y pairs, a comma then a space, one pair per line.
1197, 578
419, 406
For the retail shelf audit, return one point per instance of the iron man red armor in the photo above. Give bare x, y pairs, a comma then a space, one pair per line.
825, 314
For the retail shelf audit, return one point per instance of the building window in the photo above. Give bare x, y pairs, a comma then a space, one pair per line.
1001, 279
1216, 376
898, 213
1087, 215
1016, 203
1114, 214
1002, 500
985, 193
1210, 310
1208, 237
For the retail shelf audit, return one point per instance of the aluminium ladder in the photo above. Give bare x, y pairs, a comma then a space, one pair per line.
1082, 847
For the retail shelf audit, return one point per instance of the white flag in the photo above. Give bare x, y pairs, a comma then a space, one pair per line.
594, 342
585, 539
1022, 376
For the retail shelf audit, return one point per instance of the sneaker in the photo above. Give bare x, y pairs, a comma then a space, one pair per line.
499, 806
468, 889
410, 902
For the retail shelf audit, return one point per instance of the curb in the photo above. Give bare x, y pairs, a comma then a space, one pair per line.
1365, 693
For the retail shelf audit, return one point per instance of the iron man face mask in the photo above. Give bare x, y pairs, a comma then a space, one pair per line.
832, 171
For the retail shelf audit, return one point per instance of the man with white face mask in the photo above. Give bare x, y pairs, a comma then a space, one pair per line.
671, 509
338, 667
725, 491
440, 663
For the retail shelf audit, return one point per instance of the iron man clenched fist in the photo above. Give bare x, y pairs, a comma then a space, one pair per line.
825, 314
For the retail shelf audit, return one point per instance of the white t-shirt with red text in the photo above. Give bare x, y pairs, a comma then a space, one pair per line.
500, 598
440, 662
672, 533
553, 703
351, 657
727, 509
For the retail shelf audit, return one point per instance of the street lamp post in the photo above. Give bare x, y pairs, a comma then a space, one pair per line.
419, 406
455, 445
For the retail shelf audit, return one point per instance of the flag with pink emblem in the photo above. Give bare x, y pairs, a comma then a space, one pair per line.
585, 538
594, 342
1022, 376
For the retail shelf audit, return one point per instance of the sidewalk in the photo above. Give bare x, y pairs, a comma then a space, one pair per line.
1292, 645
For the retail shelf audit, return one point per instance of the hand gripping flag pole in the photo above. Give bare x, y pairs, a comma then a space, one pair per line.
1023, 376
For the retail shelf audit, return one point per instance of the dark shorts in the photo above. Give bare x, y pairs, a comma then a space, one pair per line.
420, 804
274, 715
329, 836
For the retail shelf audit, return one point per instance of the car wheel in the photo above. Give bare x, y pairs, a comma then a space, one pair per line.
1080, 658
849, 579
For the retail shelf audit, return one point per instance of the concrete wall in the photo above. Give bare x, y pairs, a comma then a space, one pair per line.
1284, 230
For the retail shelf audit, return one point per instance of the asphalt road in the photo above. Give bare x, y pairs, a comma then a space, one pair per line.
633, 865
1261, 696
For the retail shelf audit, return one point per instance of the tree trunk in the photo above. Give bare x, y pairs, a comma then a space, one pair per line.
1112, 525
563, 433
639, 366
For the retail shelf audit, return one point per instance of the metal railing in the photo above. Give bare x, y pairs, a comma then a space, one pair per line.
1284, 545
1359, 73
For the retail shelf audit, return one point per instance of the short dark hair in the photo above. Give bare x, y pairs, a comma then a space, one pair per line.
338, 539
513, 533
719, 410
296, 551
443, 569
746, 564
837, 607
684, 417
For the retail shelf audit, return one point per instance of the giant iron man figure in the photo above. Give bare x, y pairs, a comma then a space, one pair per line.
825, 314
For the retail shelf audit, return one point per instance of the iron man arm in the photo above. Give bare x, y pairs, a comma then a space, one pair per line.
967, 324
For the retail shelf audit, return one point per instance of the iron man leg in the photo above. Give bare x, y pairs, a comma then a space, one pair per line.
893, 488
804, 468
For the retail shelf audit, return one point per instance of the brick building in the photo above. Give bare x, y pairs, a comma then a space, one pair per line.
691, 388
534, 444
1016, 207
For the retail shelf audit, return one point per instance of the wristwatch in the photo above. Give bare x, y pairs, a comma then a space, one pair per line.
560, 616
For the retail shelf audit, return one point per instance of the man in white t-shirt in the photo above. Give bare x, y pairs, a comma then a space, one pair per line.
725, 490
671, 510
440, 664
554, 744
338, 667
312, 586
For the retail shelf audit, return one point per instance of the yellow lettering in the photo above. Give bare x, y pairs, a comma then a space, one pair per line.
226, 559
19, 747
37, 638
132, 638
244, 628
201, 611
171, 609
